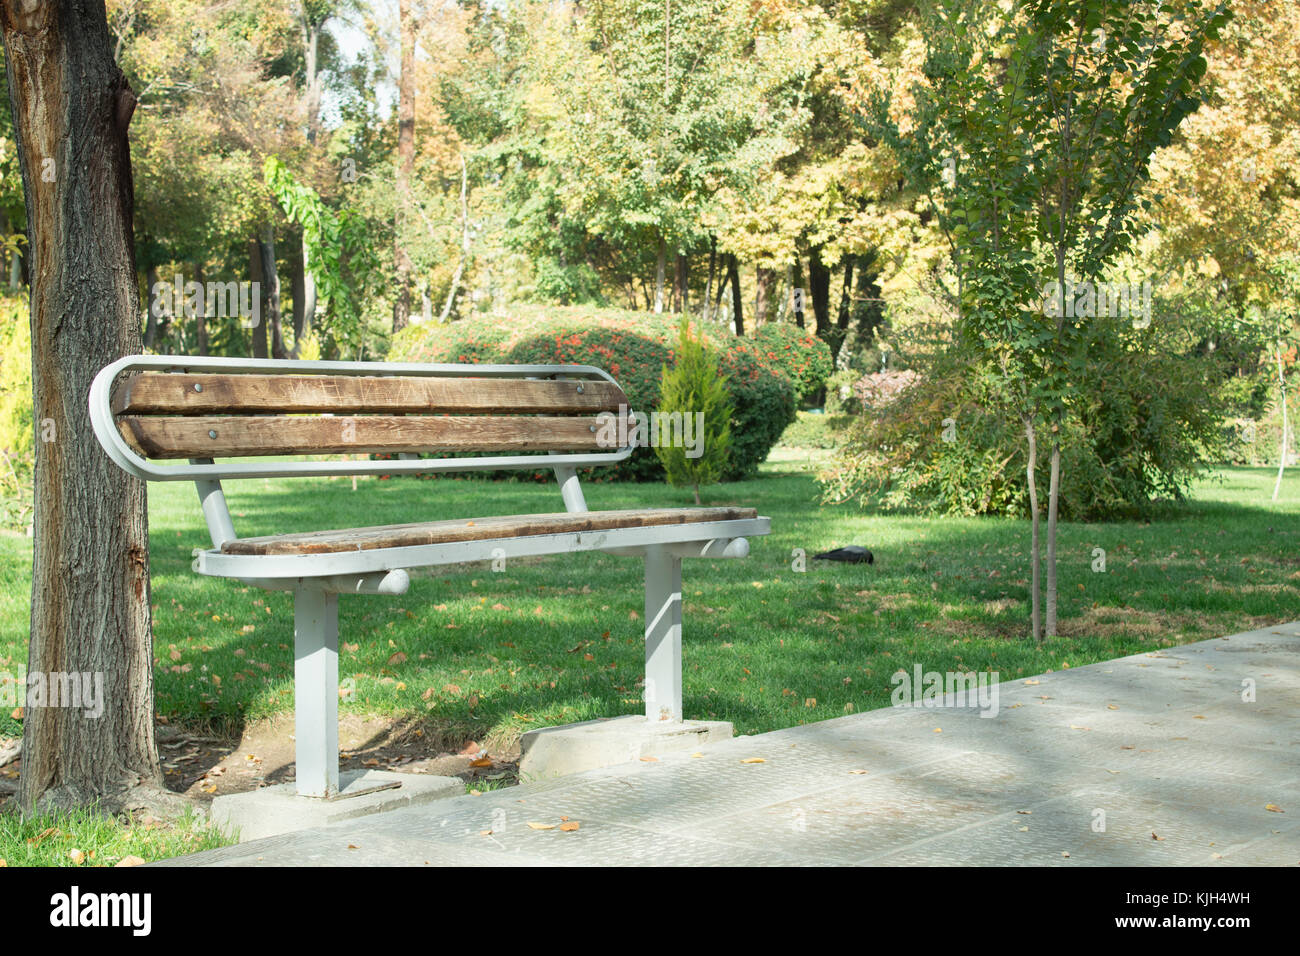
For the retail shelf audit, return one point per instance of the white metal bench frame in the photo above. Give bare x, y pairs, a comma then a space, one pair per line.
316, 580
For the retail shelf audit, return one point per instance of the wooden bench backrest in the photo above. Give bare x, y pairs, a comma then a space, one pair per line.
167, 415
202, 415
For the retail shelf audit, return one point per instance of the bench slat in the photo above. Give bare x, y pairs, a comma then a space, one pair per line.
238, 436
153, 393
476, 529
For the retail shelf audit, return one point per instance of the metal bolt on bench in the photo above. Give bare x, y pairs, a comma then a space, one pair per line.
199, 409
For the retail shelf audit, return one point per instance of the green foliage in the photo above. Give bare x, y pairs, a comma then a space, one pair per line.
17, 452
1031, 135
1141, 423
811, 430
634, 348
841, 399
338, 249
695, 389
803, 358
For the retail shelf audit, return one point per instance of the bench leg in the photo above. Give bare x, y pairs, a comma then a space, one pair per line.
663, 635
316, 692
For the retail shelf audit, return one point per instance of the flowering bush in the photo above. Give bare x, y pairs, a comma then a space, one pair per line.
632, 347
802, 357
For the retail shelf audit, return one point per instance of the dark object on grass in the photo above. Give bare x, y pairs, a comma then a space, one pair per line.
853, 554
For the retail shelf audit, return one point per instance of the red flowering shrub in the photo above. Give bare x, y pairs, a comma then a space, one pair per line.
799, 355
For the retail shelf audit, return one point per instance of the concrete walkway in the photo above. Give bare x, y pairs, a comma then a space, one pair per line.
1151, 760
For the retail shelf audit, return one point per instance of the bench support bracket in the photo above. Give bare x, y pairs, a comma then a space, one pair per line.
316, 692
663, 635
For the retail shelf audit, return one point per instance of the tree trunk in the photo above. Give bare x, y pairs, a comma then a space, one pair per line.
845, 313
405, 163
733, 277
1281, 455
681, 299
872, 314
659, 275
150, 320
1053, 497
819, 291
71, 106
201, 317
1031, 467
464, 244
304, 309
708, 283
298, 289
255, 274
764, 279
271, 281
796, 279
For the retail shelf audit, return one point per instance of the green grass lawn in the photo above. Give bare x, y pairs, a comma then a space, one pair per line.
484, 656
85, 838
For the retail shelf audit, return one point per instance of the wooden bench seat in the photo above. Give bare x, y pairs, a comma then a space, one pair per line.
147, 409
475, 529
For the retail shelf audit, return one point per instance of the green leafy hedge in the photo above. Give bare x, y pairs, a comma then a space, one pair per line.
634, 348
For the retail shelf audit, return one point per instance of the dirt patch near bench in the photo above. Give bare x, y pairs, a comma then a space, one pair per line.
205, 767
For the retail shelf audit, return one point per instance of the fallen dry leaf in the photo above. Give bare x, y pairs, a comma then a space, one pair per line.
570, 826
541, 826
398, 658
649, 759
481, 762
1273, 808
76, 856
130, 861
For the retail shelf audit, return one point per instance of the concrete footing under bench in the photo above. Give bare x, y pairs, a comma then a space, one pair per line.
275, 810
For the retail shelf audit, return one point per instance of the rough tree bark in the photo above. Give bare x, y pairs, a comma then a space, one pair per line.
405, 163
90, 583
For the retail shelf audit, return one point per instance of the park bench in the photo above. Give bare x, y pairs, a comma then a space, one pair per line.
147, 409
